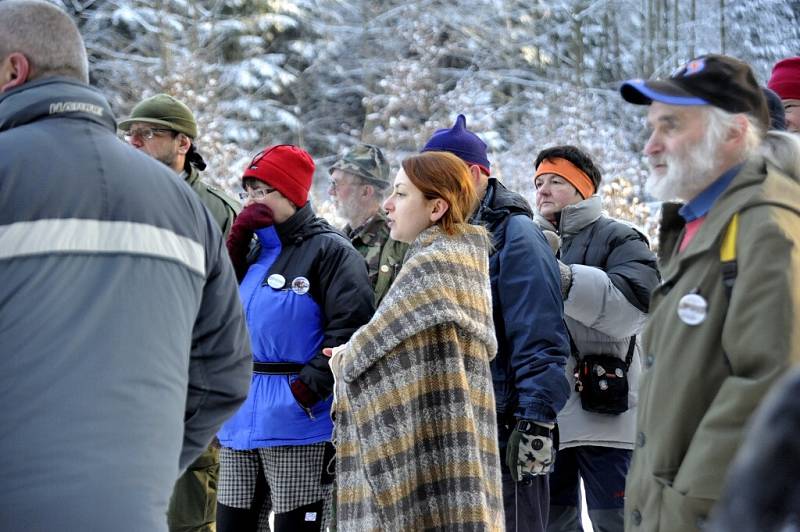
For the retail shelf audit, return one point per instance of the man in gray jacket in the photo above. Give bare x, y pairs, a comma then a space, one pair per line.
165, 128
123, 340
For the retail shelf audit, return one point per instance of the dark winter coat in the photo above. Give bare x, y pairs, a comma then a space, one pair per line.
533, 346
761, 492
416, 431
294, 326
613, 273
122, 335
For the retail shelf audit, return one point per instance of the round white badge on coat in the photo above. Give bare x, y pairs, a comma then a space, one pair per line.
692, 309
276, 281
300, 285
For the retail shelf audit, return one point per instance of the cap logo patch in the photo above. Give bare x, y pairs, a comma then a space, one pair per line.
692, 67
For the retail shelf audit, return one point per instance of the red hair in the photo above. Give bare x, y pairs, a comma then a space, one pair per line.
442, 175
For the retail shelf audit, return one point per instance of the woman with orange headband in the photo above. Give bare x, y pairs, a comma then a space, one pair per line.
607, 273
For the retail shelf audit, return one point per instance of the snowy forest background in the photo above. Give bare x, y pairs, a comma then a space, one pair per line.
325, 74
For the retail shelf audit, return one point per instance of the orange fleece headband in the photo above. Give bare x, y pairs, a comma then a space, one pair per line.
576, 177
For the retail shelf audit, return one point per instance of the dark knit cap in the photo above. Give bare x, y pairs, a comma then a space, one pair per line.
286, 168
717, 80
777, 115
461, 142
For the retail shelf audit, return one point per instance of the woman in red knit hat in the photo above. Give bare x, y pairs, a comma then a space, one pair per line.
785, 80
304, 287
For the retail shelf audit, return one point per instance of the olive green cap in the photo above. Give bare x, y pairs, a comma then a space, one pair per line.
367, 162
163, 110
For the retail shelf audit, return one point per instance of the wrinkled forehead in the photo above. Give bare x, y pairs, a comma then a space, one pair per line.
343, 176
662, 112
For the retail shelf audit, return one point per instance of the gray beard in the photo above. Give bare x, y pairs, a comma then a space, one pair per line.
688, 174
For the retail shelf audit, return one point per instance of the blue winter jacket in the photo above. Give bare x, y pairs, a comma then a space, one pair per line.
533, 345
332, 297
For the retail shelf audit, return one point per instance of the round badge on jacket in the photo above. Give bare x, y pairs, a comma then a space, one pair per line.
276, 281
300, 285
692, 309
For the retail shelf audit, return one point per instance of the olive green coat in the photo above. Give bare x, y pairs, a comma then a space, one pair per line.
222, 207
383, 254
700, 383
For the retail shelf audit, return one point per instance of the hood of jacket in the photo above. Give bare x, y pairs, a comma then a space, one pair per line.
304, 224
578, 215
498, 203
573, 218
53, 96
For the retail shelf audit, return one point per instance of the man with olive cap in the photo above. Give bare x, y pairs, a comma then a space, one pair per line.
164, 128
723, 322
359, 179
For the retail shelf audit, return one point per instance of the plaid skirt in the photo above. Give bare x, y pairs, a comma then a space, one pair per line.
295, 476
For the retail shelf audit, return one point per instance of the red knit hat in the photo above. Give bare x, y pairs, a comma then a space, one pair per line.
286, 168
785, 79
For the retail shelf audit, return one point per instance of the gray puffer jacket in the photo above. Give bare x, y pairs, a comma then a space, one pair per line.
122, 336
613, 272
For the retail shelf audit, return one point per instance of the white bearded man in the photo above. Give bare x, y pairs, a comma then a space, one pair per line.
724, 322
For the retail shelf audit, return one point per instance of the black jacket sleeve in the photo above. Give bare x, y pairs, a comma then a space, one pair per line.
631, 266
347, 303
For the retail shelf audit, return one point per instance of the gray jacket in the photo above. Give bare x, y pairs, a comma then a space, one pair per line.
613, 272
122, 336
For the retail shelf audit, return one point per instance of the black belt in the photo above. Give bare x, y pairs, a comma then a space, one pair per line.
276, 368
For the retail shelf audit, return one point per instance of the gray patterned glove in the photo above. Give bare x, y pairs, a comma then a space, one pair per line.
566, 279
553, 239
531, 450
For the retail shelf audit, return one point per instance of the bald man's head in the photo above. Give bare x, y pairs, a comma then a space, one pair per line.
46, 36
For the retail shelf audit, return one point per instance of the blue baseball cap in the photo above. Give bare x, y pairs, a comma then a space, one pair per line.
717, 80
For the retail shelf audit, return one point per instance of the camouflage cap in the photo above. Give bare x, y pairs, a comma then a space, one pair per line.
367, 162
163, 110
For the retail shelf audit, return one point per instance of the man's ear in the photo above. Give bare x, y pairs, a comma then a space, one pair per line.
440, 207
738, 129
14, 71
367, 191
475, 171
184, 144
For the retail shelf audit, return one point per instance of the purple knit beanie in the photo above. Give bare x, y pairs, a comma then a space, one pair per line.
461, 142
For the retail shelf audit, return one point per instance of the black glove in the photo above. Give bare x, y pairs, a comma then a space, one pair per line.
254, 216
531, 450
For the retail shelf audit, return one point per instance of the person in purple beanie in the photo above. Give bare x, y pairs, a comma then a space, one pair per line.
528, 373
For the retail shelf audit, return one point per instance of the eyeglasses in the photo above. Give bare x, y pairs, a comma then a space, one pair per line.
334, 186
145, 133
256, 193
